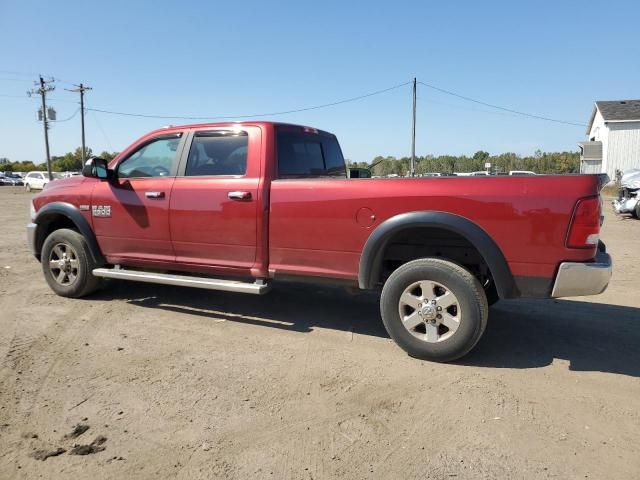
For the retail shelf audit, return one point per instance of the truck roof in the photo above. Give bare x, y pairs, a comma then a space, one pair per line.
257, 123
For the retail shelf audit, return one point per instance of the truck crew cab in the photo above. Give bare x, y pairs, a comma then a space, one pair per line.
233, 206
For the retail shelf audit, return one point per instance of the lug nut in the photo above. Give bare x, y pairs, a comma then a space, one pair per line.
433, 302
438, 316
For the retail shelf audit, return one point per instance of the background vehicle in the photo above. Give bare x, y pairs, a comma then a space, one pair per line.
259, 201
35, 180
9, 178
521, 172
628, 200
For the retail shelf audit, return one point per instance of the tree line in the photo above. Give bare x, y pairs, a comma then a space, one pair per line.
539, 162
69, 162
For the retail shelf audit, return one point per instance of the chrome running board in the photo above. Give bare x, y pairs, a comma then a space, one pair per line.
259, 287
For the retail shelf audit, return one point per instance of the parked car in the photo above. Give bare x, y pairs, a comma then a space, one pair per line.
259, 201
521, 172
35, 180
11, 179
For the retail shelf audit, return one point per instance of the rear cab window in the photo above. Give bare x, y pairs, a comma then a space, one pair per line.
308, 153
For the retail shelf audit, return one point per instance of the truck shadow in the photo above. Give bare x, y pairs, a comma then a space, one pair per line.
289, 306
534, 333
521, 333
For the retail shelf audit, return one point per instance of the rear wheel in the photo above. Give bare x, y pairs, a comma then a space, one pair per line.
434, 309
67, 264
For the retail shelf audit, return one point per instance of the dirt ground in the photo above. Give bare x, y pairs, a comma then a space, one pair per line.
304, 382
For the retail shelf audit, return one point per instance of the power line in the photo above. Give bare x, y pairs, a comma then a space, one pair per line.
13, 96
66, 119
315, 107
33, 74
517, 112
467, 108
55, 99
19, 74
227, 117
104, 134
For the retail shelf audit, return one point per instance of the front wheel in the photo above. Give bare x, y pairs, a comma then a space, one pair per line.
27, 187
67, 264
434, 309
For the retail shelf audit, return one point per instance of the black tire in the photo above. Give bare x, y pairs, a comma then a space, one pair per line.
74, 244
636, 211
470, 299
27, 187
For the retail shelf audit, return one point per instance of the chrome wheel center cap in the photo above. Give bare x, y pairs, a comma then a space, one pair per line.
428, 312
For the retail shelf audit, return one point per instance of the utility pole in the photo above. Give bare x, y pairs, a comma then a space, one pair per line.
44, 86
413, 133
82, 88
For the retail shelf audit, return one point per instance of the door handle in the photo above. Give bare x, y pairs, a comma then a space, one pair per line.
239, 195
154, 194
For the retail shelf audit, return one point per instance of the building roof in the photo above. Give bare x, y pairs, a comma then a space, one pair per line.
619, 109
616, 111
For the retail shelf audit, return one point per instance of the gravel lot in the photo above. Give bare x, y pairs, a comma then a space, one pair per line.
304, 382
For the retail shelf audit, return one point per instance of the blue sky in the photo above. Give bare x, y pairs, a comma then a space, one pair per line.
202, 58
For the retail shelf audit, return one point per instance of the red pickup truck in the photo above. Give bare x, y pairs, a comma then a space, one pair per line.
234, 206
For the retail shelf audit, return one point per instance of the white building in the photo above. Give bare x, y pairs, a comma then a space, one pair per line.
614, 138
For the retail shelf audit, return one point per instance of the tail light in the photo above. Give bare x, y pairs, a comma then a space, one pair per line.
584, 231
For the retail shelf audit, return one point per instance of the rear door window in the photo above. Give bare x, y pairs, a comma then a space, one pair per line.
304, 154
218, 153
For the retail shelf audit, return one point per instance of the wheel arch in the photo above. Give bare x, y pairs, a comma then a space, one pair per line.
65, 214
374, 248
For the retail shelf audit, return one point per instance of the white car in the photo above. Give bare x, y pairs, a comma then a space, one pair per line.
35, 180
522, 172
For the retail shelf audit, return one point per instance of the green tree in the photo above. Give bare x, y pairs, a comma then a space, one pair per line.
70, 161
108, 156
481, 156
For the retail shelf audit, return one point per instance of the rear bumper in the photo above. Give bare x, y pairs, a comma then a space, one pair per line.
31, 238
576, 279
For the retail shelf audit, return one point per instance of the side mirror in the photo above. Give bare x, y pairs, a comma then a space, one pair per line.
359, 173
96, 168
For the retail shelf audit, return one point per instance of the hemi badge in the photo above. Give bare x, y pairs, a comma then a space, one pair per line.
83, 207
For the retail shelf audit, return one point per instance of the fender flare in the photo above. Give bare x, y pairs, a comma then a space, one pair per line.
371, 258
51, 211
